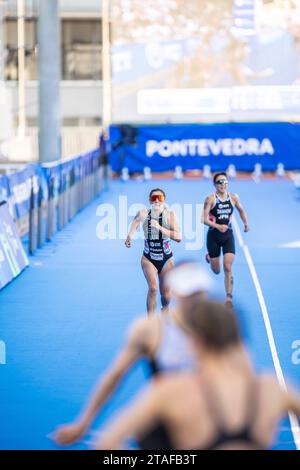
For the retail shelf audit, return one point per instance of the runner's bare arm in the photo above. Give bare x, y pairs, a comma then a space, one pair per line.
174, 231
136, 419
136, 346
241, 211
140, 216
208, 204
292, 402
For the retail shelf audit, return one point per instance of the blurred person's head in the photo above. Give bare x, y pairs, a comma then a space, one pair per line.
187, 281
212, 326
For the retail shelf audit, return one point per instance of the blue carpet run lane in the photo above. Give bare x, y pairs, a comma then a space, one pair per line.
65, 317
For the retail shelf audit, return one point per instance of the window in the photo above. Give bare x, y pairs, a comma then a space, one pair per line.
81, 50
80, 54
11, 49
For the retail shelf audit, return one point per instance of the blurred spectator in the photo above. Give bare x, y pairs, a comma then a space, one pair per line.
104, 149
223, 405
159, 338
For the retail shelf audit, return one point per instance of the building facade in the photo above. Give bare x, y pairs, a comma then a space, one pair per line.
81, 73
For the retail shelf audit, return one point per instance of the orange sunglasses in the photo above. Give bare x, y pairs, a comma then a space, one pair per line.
157, 197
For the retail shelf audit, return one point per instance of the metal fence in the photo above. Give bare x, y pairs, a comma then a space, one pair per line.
43, 199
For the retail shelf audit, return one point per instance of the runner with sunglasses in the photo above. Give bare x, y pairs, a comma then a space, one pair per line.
217, 213
160, 227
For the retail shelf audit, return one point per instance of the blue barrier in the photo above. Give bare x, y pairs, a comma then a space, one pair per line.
72, 184
22, 184
191, 146
12, 255
4, 188
44, 198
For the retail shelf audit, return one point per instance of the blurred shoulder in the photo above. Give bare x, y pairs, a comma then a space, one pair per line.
144, 331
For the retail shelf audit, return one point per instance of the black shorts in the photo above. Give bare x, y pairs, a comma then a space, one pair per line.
158, 264
217, 240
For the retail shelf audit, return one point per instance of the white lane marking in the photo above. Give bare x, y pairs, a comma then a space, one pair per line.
291, 245
2, 352
292, 417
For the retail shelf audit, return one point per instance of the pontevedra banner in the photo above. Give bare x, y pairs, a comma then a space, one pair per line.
191, 146
13, 258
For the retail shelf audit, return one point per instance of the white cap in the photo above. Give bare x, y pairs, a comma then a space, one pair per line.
188, 279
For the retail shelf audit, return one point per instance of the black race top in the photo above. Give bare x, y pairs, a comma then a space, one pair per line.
222, 211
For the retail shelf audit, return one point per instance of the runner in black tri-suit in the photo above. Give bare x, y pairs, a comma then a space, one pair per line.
160, 227
217, 214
